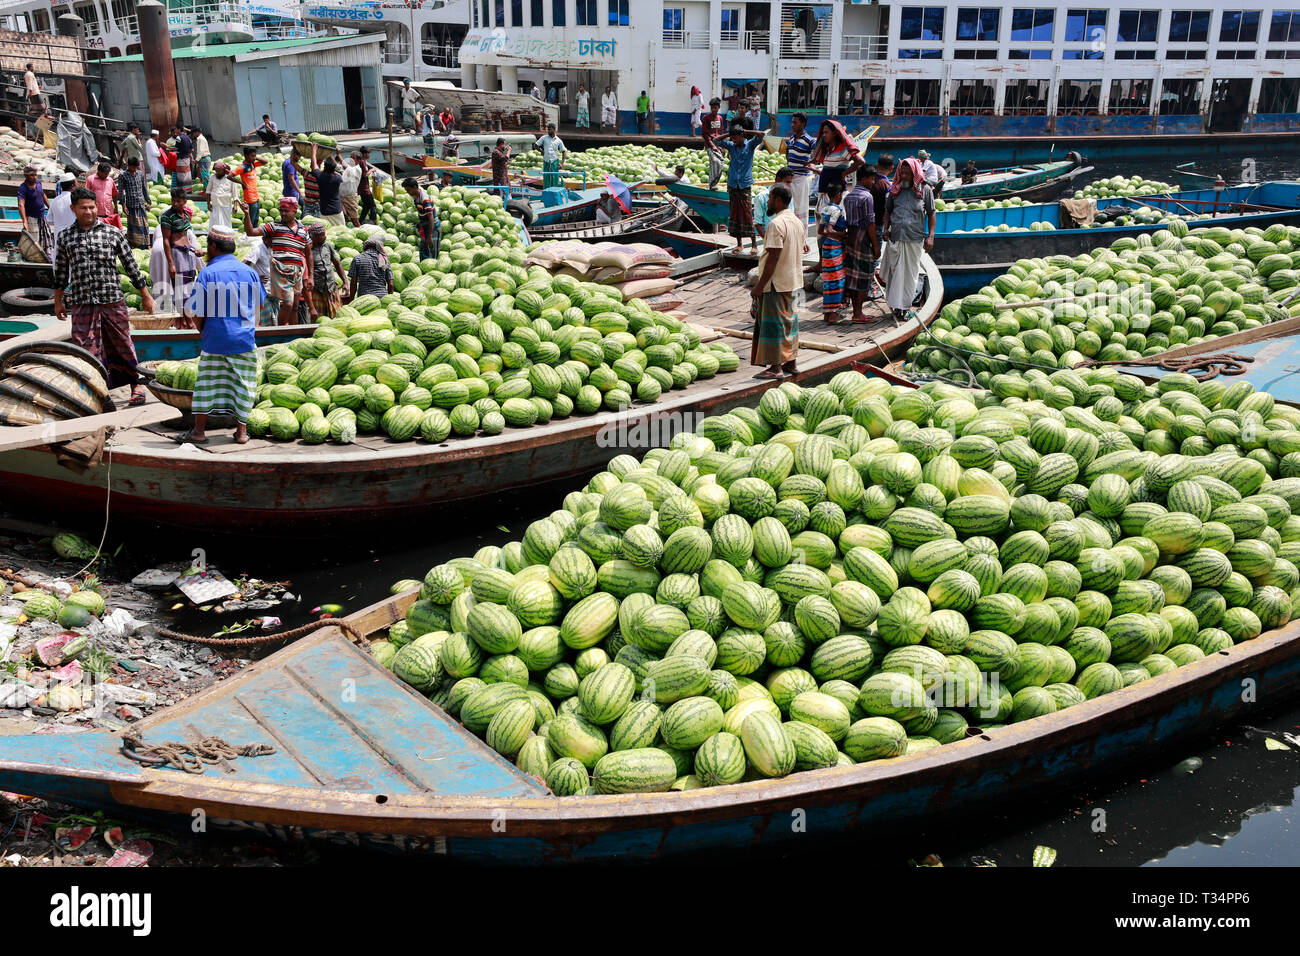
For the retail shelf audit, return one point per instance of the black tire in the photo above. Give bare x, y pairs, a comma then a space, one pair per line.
32, 300
521, 210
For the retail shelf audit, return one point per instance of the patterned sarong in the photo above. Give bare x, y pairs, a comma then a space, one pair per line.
832, 275
105, 332
776, 329
740, 219
226, 383
859, 266
584, 117
326, 303
137, 228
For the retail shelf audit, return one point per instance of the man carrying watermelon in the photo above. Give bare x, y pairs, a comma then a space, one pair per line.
427, 223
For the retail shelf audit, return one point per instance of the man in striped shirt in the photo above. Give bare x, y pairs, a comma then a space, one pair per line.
798, 156
292, 263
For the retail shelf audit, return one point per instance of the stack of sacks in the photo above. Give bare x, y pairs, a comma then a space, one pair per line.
638, 270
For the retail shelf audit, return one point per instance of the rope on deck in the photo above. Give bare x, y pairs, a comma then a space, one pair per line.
1211, 366
262, 639
190, 757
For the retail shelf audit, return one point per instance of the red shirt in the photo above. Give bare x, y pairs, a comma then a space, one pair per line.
105, 191
713, 126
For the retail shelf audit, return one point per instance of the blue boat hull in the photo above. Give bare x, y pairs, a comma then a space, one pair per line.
378, 766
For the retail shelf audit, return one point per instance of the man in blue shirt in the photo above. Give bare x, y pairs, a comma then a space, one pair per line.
798, 156
224, 304
33, 210
740, 181
291, 177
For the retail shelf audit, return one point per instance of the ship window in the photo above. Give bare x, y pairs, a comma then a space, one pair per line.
1032, 24
1285, 26
1239, 26
921, 23
1189, 26
1278, 94
673, 18
916, 96
861, 97
1184, 54
972, 96
1029, 54
1026, 97
1079, 96
557, 13
975, 54
1138, 26
618, 13
1090, 53
978, 23
810, 96
1135, 54
730, 19
1282, 55
586, 13
1235, 55
501, 12
539, 13
1180, 98
1130, 96
516, 13
920, 54
1085, 26
473, 9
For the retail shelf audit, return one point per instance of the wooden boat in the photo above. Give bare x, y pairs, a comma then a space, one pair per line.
384, 769
970, 260
1033, 181
711, 205
314, 490
151, 345
1187, 177
637, 227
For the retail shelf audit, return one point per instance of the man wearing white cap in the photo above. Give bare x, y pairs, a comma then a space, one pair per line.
224, 305
61, 214
153, 158
931, 171
221, 195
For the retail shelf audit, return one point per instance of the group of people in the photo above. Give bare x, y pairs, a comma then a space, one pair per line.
608, 108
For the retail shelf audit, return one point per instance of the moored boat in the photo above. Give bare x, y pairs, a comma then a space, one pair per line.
151, 345
1032, 181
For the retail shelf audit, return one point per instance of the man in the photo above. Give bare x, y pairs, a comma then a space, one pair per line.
247, 177
583, 103
202, 155
365, 191
862, 246
642, 111
785, 177
740, 180
501, 169
289, 176
931, 171
608, 109
134, 192
969, 173
292, 265
153, 158
446, 120
61, 215
259, 260
608, 208
428, 121
552, 150
184, 175
33, 88
327, 277
742, 118
410, 103
34, 210
451, 147
102, 184
310, 192
329, 182
678, 175
351, 181
131, 145
798, 148
880, 186
711, 131
426, 219
221, 197
756, 109
224, 306
780, 274
370, 273
87, 286
908, 224
181, 256
733, 103
268, 132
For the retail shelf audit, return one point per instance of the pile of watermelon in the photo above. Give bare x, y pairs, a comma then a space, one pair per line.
634, 164
1141, 296
859, 571
1122, 186
487, 345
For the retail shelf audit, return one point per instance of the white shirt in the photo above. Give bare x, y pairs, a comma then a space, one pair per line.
583, 98
410, 98
201, 148
351, 182
152, 160
608, 101
61, 214
260, 259
932, 172
222, 191
29, 79
697, 103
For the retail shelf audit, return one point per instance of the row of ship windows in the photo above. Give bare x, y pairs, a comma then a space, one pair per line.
587, 13
1038, 25
1089, 54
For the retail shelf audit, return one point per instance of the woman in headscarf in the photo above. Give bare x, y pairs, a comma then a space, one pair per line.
834, 155
697, 110
909, 233
370, 273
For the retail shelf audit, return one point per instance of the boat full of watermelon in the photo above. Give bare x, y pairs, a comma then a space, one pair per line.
974, 245
868, 602
492, 374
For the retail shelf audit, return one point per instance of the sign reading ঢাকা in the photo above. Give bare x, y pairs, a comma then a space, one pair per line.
558, 48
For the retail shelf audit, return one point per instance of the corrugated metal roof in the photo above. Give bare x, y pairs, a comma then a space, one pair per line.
263, 48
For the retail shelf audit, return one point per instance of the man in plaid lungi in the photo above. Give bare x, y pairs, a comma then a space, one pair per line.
740, 182
92, 291
224, 304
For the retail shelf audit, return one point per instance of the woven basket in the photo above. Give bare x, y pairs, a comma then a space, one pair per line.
175, 397
147, 322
